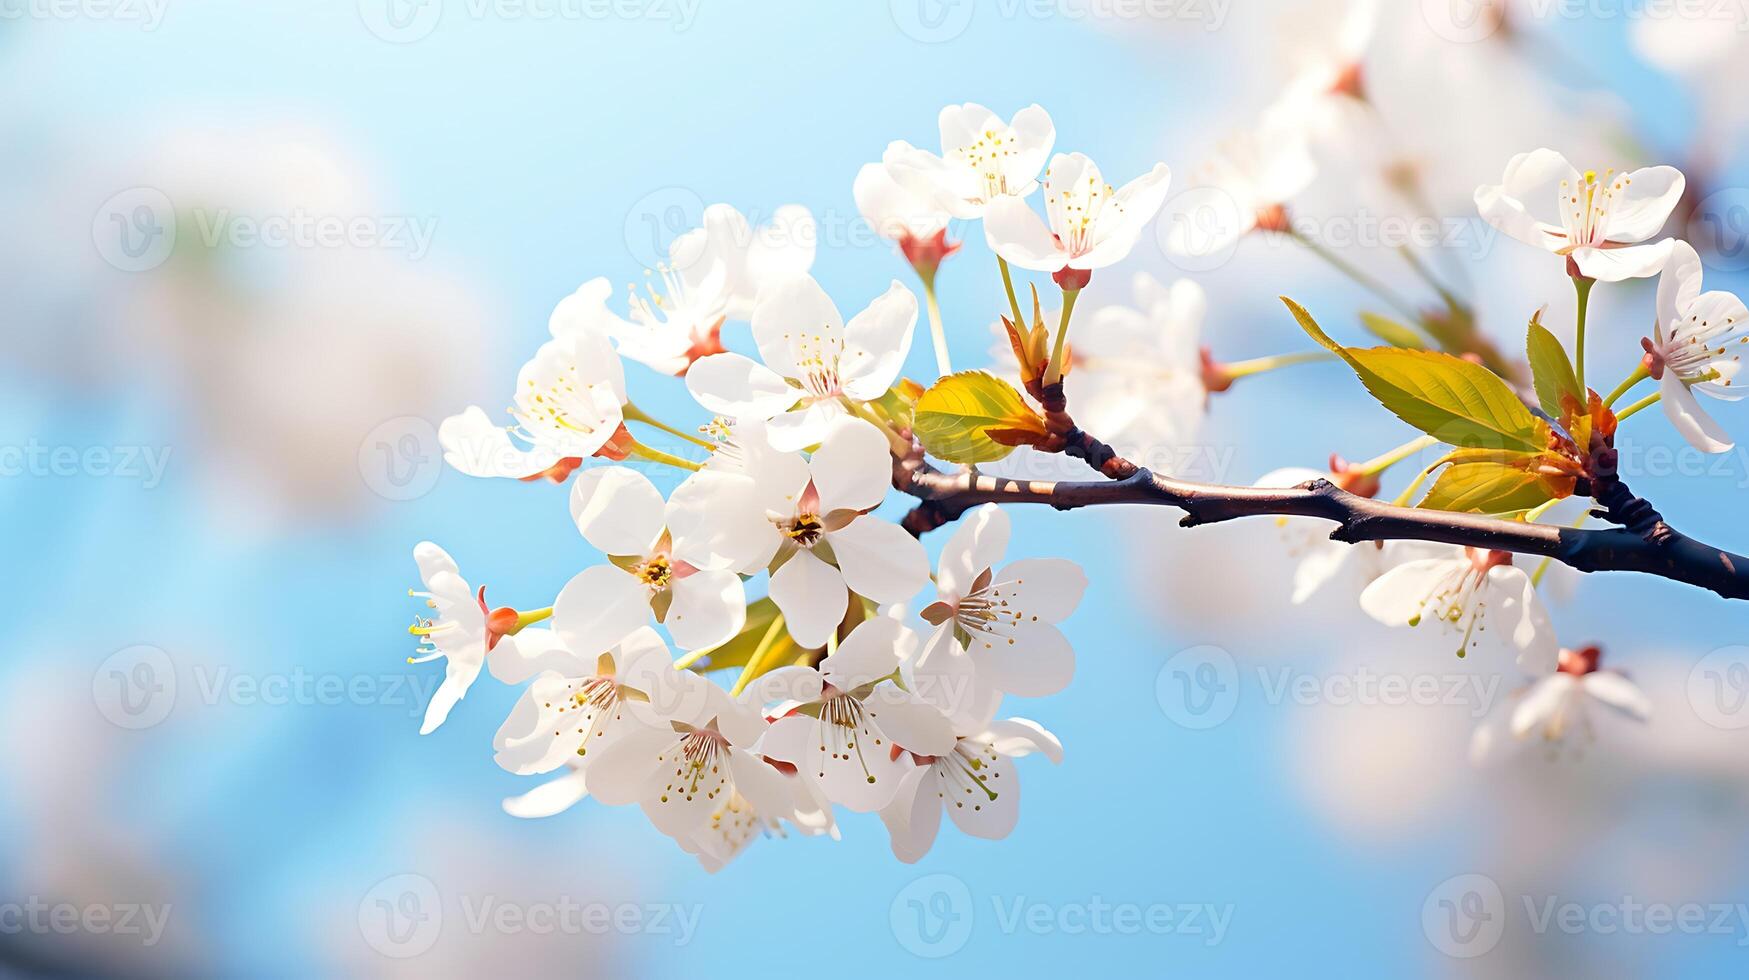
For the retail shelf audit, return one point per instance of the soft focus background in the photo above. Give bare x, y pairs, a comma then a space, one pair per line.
219, 455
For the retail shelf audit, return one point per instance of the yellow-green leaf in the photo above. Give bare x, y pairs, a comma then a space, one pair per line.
1392, 332
1449, 398
1488, 488
1551, 369
975, 417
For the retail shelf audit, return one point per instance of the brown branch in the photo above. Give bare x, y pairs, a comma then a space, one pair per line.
1645, 543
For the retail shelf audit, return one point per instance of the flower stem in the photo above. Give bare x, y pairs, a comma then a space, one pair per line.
1646, 402
756, 660
1008, 284
1054, 370
1640, 374
1258, 365
635, 414
1409, 491
532, 616
1582, 290
943, 363
1422, 270
1384, 461
658, 456
1360, 278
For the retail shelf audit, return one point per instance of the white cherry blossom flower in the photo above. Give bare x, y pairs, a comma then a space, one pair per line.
1137, 373
846, 724
1001, 623
983, 159
1693, 347
462, 631
810, 516
713, 275
1602, 219
569, 404
622, 514
1091, 224
977, 784
899, 214
813, 360
1259, 170
1467, 591
698, 758
736, 822
1560, 703
582, 702
1321, 562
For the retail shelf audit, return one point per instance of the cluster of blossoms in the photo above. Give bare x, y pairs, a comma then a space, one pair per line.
846, 684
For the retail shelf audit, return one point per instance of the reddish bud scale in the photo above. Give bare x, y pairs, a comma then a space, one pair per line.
1580, 662
1345, 475
925, 254
1072, 280
1215, 378
1273, 218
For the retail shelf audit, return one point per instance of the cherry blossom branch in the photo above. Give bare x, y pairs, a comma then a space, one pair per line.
1642, 543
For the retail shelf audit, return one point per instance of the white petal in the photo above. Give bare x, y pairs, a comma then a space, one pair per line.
1016, 232
517, 658
908, 721
1678, 284
812, 596
1047, 589
738, 386
876, 342
549, 798
913, 818
988, 807
893, 209
805, 427
977, 544
1619, 264
763, 786
1034, 660
1644, 203
880, 560
1522, 609
598, 608
1022, 736
618, 510
1544, 699
457, 678
871, 652
794, 320
1123, 218
1399, 595
625, 768
1684, 412
473, 445
708, 608
1319, 566
719, 521
432, 559
853, 468
1533, 176
1618, 692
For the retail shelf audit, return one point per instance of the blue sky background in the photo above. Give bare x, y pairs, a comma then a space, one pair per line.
541, 148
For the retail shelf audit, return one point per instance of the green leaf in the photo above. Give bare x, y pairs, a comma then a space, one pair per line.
1392, 332
1449, 398
1488, 488
975, 417
1551, 369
